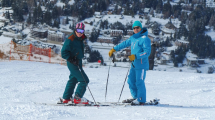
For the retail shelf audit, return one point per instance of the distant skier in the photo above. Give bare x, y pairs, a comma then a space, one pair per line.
152, 55
140, 51
73, 52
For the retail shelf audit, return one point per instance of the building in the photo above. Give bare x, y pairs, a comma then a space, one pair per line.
193, 61
87, 21
181, 43
158, 15
169, 25
39, 33
130, 32
164, 58
97, 15
169, 28
146, 10
115, 33
105, 39
123, 55
9, 34
56, 37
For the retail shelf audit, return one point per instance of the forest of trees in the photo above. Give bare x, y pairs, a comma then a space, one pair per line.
192, 25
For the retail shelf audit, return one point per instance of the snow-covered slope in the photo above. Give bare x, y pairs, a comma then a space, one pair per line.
24, 83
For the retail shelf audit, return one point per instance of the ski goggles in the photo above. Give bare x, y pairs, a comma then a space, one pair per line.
80, 31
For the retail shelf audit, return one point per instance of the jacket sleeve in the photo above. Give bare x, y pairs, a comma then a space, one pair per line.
146, 49
66, 51
122, 45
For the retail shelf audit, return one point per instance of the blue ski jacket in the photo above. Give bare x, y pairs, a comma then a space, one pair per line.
140, 47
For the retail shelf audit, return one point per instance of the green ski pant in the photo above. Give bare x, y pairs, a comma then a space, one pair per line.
74, 78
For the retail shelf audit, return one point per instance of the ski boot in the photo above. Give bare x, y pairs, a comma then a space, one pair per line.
129, 100
78, 100
64, 101
136, 102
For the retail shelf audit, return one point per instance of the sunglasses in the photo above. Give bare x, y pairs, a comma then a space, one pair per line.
80, 31
136, 28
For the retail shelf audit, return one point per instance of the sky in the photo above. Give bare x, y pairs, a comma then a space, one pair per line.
25, 85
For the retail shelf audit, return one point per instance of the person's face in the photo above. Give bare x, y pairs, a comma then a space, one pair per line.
136, 29
78, 34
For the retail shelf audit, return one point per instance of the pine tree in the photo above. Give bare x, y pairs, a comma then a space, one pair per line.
102, 25
23, 27
39, 14
70, 27
212, 21
7, 15
151, 11
172, 54
167, 42
159, 6
95, 56
7, 3
67, 20
29, 19
55, 13
56, 24
176, 62
17, 11
150, 3
73, 26
182, 31
116, 9
35, 16
167, 8
48, 18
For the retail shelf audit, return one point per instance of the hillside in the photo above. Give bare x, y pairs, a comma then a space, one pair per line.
22, 84
181, 28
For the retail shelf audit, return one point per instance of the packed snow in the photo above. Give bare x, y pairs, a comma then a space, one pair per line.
4, 40
24, 85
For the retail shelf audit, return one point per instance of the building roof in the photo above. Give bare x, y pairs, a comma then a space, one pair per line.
183, 41
108, 38
117, 30
169, 25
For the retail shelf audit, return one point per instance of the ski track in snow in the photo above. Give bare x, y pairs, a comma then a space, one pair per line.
23, 83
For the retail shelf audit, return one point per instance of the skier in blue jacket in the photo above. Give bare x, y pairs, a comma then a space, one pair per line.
140, 51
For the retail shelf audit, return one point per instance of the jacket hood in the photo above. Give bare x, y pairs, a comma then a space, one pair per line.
143, 32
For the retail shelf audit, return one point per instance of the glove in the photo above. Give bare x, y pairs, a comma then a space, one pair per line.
131, 57
111, 52
73, 60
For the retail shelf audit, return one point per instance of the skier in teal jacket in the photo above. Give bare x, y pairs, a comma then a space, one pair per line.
140, 51
73, 52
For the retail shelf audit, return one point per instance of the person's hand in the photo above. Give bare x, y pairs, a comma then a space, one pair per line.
111, 52
73, 60
131, 57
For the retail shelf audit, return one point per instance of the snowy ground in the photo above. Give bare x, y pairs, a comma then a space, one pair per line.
24, 83
5, 40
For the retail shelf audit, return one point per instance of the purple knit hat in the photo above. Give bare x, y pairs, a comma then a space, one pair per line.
80, 26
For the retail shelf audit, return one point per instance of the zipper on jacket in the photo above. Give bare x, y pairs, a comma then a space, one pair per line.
135, 43
141, 61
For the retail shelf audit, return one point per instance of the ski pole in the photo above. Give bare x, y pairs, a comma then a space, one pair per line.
107, 81
87, 85
124, 83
